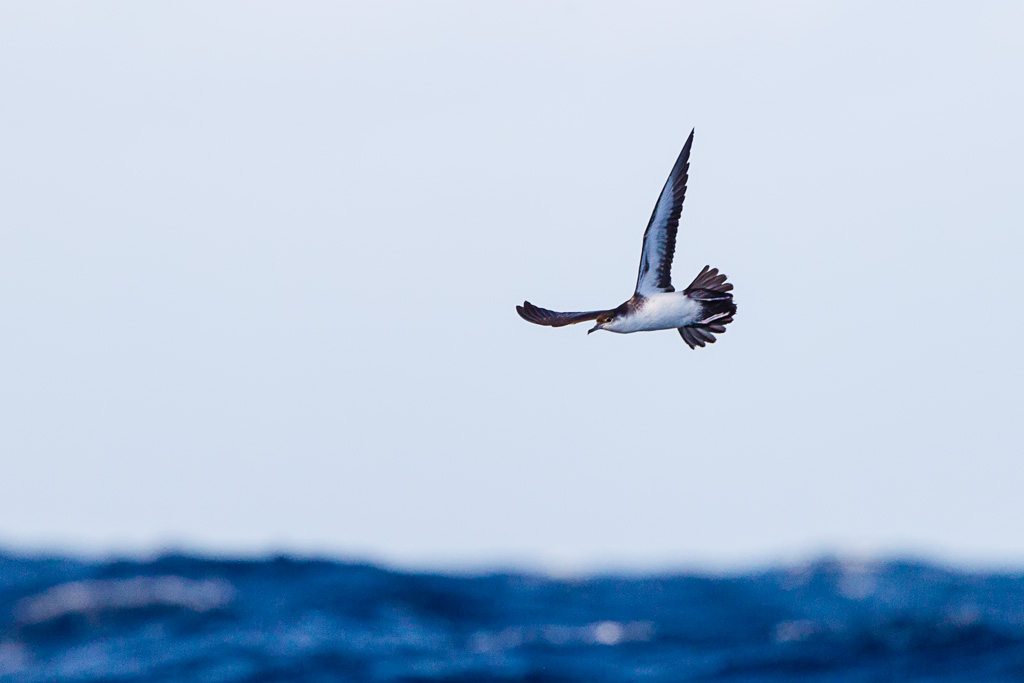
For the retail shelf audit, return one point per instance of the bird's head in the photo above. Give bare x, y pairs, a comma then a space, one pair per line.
603, 321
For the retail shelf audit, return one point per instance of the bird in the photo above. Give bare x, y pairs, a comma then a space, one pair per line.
699, 312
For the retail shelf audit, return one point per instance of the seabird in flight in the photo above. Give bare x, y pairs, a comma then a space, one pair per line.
699, 312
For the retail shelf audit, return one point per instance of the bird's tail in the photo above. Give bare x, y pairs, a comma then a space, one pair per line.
717, 307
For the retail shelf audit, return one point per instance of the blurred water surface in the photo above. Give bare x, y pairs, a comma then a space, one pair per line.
184, 618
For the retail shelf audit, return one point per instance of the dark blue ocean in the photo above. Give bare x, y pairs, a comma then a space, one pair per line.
182, 618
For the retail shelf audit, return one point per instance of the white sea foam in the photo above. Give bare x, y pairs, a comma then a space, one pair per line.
91, 597
597, 633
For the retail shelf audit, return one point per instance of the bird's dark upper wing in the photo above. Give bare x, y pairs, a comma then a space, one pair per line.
660, 237
542, 316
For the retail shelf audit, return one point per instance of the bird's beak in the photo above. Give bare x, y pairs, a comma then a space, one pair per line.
595, 328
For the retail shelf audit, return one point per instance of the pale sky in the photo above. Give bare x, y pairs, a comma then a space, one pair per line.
259, 263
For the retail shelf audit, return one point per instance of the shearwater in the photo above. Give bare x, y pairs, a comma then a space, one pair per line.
698, 312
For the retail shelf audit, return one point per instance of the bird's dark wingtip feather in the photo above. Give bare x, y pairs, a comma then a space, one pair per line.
542, 316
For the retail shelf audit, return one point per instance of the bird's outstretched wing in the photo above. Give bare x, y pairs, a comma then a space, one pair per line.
542, 316
660, 237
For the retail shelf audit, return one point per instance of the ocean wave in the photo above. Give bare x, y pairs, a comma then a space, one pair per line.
184, 618
90, 598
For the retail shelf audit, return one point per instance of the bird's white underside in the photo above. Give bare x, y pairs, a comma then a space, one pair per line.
663, 311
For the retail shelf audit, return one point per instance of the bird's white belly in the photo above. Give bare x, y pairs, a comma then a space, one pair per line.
661, 312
